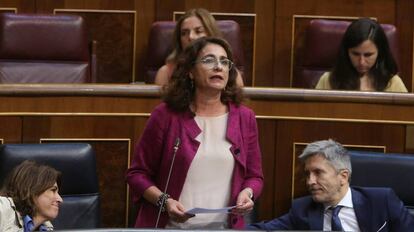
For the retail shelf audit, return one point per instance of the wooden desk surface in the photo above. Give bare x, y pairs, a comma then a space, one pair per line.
266, 102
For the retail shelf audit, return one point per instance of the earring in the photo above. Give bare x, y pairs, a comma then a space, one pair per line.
190, 76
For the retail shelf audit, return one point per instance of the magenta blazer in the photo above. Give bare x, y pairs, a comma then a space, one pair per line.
153, 156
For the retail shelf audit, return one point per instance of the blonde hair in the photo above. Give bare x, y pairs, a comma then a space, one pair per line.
209, 24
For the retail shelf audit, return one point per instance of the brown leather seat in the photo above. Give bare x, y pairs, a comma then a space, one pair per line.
49, 48
160, 45
321, 47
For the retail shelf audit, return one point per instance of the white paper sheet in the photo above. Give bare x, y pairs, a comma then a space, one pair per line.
204, 210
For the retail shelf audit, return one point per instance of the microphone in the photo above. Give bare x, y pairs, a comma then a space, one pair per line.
176, 144
175, 148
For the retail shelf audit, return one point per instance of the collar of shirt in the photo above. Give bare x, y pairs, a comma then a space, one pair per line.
29, 225
347, 214
346, 201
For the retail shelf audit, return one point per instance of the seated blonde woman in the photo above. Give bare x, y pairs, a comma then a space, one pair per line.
194, 24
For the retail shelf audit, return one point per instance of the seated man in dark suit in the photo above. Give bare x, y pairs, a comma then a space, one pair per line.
333, 204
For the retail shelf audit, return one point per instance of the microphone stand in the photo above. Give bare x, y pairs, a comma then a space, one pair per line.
176, 145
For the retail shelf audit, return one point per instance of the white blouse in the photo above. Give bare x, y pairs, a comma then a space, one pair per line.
208, 181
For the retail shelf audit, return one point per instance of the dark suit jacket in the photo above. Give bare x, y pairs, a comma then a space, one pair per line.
373, 207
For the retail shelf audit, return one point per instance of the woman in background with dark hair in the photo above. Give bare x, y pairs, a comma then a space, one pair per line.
29, 198
364, 62
217, 161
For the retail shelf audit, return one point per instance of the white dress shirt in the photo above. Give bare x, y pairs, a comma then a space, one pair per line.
346, 215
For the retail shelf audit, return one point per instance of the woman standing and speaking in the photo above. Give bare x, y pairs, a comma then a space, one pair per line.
217, 161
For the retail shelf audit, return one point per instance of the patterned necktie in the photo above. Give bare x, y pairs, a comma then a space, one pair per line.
336, 223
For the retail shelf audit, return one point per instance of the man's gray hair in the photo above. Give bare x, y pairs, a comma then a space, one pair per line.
333, 151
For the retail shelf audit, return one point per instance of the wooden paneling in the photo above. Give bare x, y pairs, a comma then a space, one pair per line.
409, 139
23, 6
268, 144
112, 118
405, 25
145, 16
272, 51
8, 10
114, 32
266, 40
11, 129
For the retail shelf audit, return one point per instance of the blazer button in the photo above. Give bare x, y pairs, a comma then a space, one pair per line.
237, 151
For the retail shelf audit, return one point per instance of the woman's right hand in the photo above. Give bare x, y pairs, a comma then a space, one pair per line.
176, 211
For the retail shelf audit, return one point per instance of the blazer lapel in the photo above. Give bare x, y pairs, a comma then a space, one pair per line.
362, 210
190, 125
233, 134
316, 217
233, 125
189, 130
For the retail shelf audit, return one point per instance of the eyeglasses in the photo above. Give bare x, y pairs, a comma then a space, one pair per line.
210, 62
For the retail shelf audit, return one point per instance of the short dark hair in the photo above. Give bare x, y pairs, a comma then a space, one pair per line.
179, 93
344, 75
27, 181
